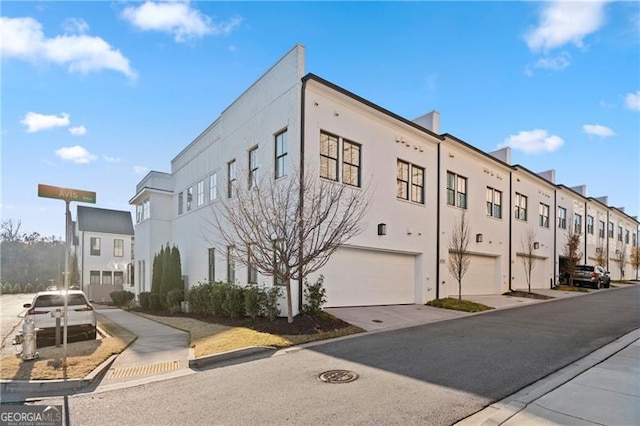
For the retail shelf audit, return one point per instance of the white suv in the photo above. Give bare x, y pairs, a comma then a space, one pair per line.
81, 317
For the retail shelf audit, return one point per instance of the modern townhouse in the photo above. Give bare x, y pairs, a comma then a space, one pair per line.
420, 182
104, 251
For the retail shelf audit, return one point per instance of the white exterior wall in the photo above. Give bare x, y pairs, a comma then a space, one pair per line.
599, 212
619, 219
488, 269
537, 190
408, 248
106, 261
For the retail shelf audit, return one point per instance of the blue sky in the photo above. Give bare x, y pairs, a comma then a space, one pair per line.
96, 94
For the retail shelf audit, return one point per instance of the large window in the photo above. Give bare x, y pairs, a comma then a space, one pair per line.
350, 163
212, 264
118, 277
456, 190
94, 277
231, 177
200, 193
106, 278
118, 247
589, 224
626, 236
610, 230
577, 224
213, 187
520, 206
180, 203
190, 198
231, 265
281, 154
620, 233
562, 218
543, 213
600, 229
412, 190
94, 246
253, 167
143, 210
494, 203
328, 156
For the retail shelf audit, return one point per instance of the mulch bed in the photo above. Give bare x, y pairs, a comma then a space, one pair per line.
518, 293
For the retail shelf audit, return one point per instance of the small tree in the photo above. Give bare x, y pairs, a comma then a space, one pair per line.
601, 254
621, 258
572, 253
528, 256
634, 259
459, 258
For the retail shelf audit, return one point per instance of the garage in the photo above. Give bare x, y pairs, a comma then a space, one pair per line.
358, 277
539, 275
481, 277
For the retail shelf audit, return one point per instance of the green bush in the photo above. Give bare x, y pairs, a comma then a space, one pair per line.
174, 299
253, 297
17, 288
155, 304
270, 308
233, 305
145, 300
122, 298
217, 295
314, 296
198, 298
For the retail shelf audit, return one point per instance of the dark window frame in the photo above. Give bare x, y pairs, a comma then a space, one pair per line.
93, 250
280, 154
327, 158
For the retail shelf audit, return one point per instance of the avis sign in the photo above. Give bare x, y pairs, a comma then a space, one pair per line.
66, 194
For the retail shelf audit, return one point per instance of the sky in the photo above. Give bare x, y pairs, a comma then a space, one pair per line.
94, 95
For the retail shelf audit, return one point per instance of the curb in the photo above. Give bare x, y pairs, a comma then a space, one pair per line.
235, 354
501, 411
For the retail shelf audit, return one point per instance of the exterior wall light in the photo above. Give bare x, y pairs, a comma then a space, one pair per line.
382, 229
478, 238
536, 245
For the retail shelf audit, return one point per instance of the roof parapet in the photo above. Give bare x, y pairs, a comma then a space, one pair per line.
549, 175
604, 200
580, 189
503, 154
430, 121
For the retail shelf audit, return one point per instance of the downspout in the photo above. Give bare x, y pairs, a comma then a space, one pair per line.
82, 272
510, 225
301, 193
586, 217
607, 237
438, 225
555, 239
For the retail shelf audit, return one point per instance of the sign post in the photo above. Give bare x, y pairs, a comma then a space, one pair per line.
68, 195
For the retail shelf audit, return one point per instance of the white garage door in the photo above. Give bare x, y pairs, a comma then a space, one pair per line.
539, 275
481, 277
355, 277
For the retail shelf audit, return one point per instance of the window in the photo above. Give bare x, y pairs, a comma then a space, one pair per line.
94, 277
456, 190
231, 177
404, 170
253, 167
95, 246
562, 218
600, 229
180, 203
350, 163
620, 233
106, 278
143, 210
633, 240
118, 248
190, 198
231, 265
328, 156
278, 277
118, 277
213, 187
281, 154
200, 192
577, 224
543, 212
212, 264
252, 271
520, 206
589, 224
610, 230
494, 203
626, 236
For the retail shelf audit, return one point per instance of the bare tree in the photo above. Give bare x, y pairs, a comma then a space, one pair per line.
621, 257
601, 254
572, 253
459, 258
10, 231
289, 228
528, 256
634, 259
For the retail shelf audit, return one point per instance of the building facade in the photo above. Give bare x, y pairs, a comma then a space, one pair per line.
422, 182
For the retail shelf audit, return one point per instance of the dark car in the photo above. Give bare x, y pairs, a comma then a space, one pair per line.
593, 276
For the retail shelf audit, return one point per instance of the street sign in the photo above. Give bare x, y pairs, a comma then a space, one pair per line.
66, 194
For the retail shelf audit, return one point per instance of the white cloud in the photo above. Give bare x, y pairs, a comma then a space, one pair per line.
78, 130
533, 141
632, 100
141, 170
75, 154
36, 122
557, 63
598, 130
75, 26
23, 38
564, 22
109, 159
178, 18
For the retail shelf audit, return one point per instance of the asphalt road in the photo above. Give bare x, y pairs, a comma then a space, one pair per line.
11, 312
431, 374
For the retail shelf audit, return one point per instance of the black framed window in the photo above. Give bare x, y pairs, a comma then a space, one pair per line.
351, 163
253, 167
590, 225
520, 206
577, 224
231, 265
95, 246
328, 156
212, 264
494, 203
543, 212
231, 177
600, 229
281, 154
402, 180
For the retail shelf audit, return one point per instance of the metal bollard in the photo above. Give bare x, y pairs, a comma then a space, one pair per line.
29, 335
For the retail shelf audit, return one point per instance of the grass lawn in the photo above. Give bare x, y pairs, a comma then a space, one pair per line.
82, 357
521, 293
458, 305
210, 336
563, 287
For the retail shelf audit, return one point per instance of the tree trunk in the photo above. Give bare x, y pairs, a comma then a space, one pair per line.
460, 290
289, 303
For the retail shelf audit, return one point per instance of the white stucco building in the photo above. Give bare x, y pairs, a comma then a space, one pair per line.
422, 181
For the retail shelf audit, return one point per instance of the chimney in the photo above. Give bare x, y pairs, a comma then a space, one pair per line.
581, 189
503, 154
549, 175
430, 121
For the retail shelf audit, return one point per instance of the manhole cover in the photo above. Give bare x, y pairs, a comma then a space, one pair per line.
338, 376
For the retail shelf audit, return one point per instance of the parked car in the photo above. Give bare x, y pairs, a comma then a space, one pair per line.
593, 276
81, 316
